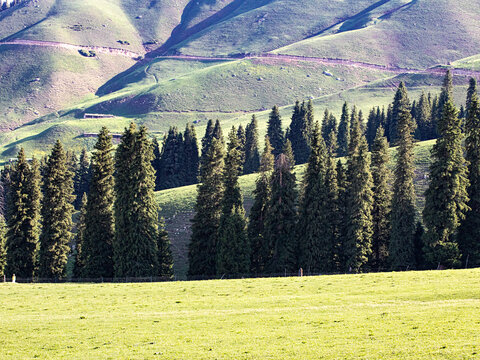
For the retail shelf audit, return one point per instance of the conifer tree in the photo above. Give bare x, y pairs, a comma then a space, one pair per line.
252, 156
316, 250
388, 122
165, 258
203, 243
259, 246
446, 197
310, 117
23, 218
298, 135
419, 247
281, 218
343, 138
401, 103
79, 240
372, 126
275, 132
242, 139
157, 162
4, 181
82, 178
382, 201
218, 134
342, 217
57, 212
172, 162
3, 244
207, 139
191, 157
288, 152
471, 91
424, 119
401, 250
446, 95
358, 244
329, 132
233, 250
469, 240
136, 212
97, 247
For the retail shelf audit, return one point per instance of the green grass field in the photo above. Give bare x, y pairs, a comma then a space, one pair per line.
411, 315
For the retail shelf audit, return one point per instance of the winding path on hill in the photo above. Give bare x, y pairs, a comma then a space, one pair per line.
282, 57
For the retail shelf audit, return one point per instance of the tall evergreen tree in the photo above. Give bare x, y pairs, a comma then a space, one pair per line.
252, 156
99, 233
275, 132
157, 162
165, 257
281, 218
401, 103
446, 95
425, 129
471, 91
191, 157
242, 139
233, 250
207, 139
342, 217
172, 162
372, 126
469, 240
259, 246
358, 245
79, 240
298, 135
382, 201
23, 218
3, 246
136, 212
288, 152
203, 242
316, 250
82, 178
401, 250
446, 197
57, 212
343, 138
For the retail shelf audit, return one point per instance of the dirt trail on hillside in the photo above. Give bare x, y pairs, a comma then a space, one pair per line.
98, 49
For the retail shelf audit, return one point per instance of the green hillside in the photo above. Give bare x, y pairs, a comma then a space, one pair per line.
409, 315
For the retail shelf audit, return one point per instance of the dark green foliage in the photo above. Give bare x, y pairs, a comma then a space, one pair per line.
446, 95
423, 117
388, 121
342, 217
343, 138
97, 248
401, 250
268, 161
288, 152
382, 201
298, 134
23, 218
171, 172
79, 240
446, 197
82, 178
233, 251
136, 212
316, 248
358, 244
203, 243
275, 132
207, 139
3, 245
372, 126
419, 247
281, 217
471, 91
4, 186
165, 258
469, 239
329, 133
252, 156
401, 103
241, 136
157, 162
191, 157
57, 212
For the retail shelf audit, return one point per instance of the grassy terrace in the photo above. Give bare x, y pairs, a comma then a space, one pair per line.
412, 315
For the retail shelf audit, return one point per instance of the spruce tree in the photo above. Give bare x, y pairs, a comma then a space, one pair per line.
343, 138
471, 91
401, 250
446, 197
259, 246
401, 103
372, 126
342, 217
233, 250
316, 249
23, 218
136, 212
207, 139
203, 243
191, 157
165, 257
252, 156
172, 162
281, 218
358, 245
157, 162
79, 240
382, 201
3, 245
469, 240
57, 212
275, 132
424, 119
288, 152
99, 233
82, 178
298, 135
446, 95
241, 136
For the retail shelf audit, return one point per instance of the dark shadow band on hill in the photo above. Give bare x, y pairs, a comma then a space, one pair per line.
182, 33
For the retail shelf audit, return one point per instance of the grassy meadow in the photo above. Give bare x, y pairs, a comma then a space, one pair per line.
410, 315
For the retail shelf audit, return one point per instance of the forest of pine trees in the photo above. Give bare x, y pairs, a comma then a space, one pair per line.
352, 215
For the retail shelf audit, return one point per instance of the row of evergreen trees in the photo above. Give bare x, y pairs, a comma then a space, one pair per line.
355, 217
119, 233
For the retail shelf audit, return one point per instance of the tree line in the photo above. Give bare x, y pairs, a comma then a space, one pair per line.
119, 232
350, 216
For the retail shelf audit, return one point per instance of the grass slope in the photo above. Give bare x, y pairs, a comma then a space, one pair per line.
410, 315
